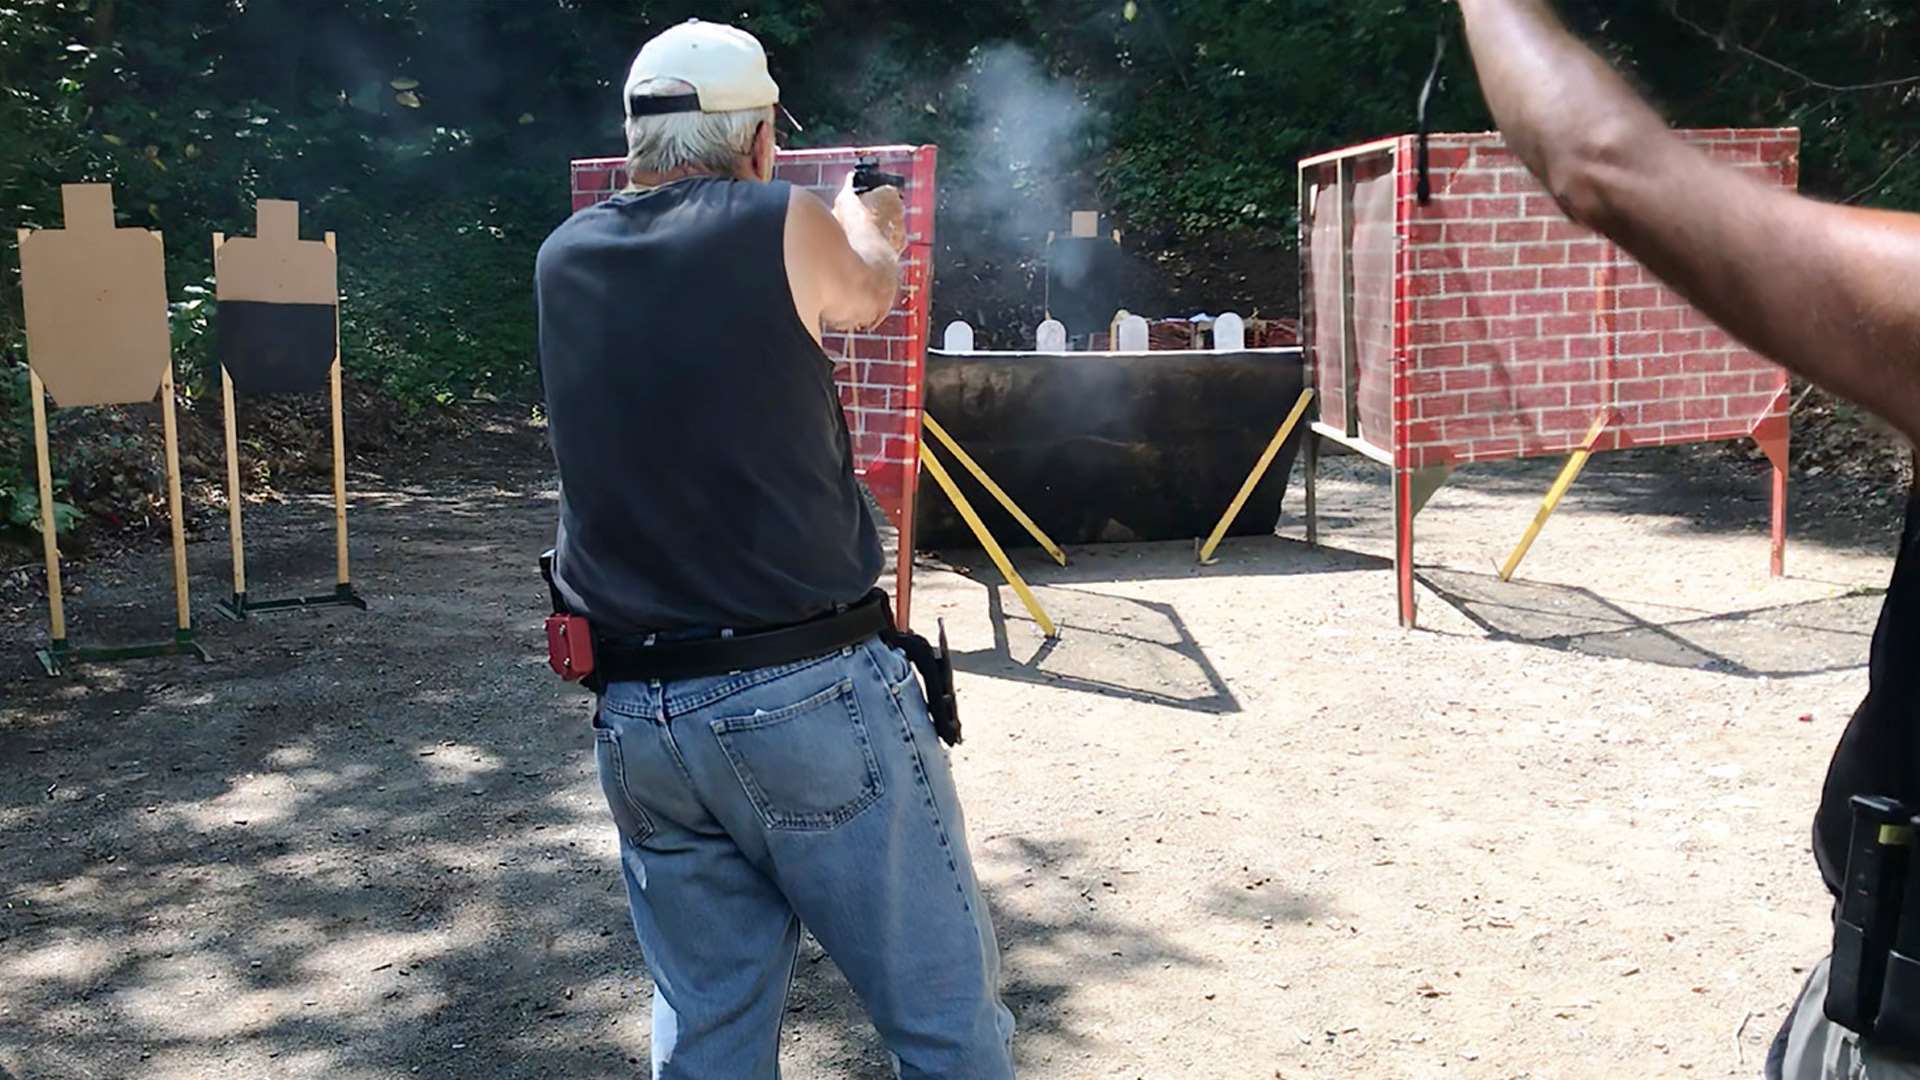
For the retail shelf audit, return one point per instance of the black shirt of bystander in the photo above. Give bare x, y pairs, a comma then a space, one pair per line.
1879, 754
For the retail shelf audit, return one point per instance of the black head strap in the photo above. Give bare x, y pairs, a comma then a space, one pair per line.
662, 104
1425, 187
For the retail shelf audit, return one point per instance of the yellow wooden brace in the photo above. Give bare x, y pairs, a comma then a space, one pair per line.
339, 452
1558, 491
999, 557
49, 538
1253, 478
235, 536
170, 429
993, 489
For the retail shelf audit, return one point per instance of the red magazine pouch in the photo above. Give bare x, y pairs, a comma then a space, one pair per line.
569, 647
569, 638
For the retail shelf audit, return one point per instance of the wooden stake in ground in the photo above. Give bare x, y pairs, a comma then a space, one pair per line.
234, 531
343, 579
49, 537
170, 429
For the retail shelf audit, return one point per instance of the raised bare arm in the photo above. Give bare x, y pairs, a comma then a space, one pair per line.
1832, 292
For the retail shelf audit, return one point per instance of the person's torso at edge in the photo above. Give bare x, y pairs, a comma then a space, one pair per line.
1879, 753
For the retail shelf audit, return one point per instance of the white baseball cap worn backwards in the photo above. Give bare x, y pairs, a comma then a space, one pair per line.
726, 67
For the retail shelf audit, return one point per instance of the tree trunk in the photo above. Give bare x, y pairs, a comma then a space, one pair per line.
103, 24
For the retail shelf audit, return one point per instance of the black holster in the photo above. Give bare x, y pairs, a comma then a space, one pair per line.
935, 666
1873, 984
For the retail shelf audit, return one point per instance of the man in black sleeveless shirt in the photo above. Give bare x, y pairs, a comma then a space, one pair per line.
1828, 291
708, 495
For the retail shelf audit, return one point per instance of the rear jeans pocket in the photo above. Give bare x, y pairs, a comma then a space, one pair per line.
808, 766
632, 821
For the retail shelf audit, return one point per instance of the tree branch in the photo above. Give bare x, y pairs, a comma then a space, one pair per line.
1882, 178
1725, 43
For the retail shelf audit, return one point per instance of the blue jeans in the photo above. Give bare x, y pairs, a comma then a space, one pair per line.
817, 793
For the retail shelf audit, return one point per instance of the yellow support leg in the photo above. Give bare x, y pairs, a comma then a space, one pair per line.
343, 578
993, 489
49, 537
1568, 474
170, 430
999, 557
1253, 478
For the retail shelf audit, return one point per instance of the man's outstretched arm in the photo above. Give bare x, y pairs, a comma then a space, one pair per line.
1831, 292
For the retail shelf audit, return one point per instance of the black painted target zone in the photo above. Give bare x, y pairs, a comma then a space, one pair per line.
276, 348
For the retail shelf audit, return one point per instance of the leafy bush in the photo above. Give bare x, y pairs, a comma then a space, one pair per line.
19, 482
452, 317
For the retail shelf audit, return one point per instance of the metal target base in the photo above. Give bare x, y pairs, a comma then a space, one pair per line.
238, 607
60, 655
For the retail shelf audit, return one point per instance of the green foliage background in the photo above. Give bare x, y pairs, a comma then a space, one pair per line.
432, 134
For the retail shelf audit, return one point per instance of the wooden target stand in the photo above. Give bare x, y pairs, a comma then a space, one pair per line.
279, 332
96, 312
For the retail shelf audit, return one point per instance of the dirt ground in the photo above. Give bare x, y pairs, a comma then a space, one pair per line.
1234, 823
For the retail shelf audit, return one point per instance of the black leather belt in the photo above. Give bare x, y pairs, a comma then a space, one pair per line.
630, 660
577, 654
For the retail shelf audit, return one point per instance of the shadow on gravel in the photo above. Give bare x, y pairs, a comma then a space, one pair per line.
1170, 667
1787, 640
1164, 663
370, 844
1699, 489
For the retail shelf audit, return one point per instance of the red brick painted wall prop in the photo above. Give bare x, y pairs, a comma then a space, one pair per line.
880, 372
1484, 325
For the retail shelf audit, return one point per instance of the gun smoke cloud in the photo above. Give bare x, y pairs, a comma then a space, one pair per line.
1025, 131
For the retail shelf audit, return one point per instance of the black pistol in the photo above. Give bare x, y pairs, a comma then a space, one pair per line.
867, 176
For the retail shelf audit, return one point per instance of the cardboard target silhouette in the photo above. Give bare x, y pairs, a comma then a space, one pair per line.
278, 325
279, 312
95, 298
96, 304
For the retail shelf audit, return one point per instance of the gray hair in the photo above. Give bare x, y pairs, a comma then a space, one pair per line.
711, 142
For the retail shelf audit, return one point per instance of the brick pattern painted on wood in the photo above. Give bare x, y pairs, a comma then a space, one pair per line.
1522, 326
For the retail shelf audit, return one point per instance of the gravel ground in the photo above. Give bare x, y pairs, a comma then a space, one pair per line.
1234, 823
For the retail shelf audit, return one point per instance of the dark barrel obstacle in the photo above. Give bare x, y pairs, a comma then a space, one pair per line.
1100, 447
